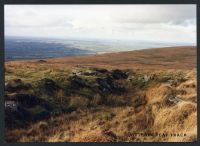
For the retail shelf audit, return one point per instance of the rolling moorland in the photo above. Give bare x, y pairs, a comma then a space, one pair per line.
136, 96
28, 48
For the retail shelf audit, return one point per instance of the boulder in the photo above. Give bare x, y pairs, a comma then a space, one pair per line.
107, 85
131, 78
20, 109
95, 72
27, 100
118, 88
21, 116
89, 73
16, 118
147, 78
172, 100
76, 72
11, 105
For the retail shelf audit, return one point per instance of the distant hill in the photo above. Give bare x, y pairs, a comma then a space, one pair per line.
160, 58
183, 57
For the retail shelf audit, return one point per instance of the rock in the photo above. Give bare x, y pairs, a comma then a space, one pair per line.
21, 116
11, 105
16, 118
107, 85
20, 109
83, 73
130, 78
16, 85
174, 100
118, 88
95, 72
76, 72
6, 84
170, 82
89, 73
146, 78
119, 74
27, 100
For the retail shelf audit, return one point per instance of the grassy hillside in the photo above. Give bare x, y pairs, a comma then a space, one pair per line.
108, 97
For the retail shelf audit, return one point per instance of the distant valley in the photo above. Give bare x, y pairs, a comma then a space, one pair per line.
21, 48
26, 49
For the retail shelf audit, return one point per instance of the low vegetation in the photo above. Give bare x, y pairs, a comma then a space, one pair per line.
69, 103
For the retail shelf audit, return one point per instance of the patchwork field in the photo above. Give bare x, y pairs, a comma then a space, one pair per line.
137, 96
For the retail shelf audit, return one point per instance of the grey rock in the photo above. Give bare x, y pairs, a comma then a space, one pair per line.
146, 78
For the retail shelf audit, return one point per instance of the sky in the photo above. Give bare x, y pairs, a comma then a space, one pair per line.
166, 23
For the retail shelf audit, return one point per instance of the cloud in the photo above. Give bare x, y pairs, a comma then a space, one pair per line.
175, 23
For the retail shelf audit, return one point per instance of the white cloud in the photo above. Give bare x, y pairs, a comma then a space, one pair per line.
174, 23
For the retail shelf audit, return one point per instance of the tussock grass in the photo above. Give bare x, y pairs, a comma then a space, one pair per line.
95, 117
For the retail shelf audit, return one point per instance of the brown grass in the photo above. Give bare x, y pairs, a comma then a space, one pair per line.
122, 121
106, 124
159, 58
